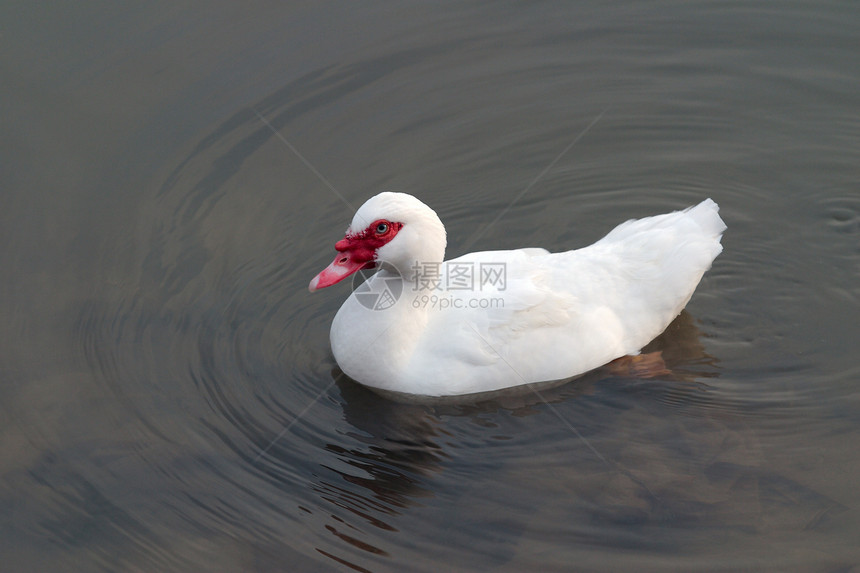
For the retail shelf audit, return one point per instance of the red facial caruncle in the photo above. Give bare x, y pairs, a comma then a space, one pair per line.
355, 252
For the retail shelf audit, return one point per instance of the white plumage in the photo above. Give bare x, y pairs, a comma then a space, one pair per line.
554, 316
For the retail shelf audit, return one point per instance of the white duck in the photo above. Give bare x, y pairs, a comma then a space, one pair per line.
529, 316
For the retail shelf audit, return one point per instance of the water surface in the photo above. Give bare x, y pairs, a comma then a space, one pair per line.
175, 173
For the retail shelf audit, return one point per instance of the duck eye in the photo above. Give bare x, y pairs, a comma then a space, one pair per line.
381, 228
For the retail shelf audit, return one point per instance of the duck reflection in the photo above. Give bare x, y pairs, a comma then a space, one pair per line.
404, 437
394, 447
654, 453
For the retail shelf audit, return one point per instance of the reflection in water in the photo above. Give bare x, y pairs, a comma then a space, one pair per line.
395, 450
632, 463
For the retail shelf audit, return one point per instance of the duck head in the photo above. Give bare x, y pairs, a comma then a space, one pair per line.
395, 228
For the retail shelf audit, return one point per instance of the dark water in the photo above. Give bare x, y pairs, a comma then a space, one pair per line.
169, 398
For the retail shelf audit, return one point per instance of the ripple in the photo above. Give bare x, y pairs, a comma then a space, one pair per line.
199, 421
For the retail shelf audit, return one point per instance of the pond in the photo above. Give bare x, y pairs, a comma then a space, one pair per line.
174, 173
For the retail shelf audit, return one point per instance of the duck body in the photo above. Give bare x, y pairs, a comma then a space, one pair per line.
491, 320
